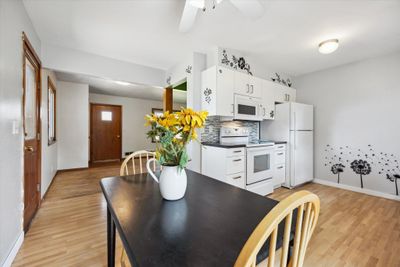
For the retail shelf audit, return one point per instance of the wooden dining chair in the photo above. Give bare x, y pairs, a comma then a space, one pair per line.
307, 206
139, 155
125, 170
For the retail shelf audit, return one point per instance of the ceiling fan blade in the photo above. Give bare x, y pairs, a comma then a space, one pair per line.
188, 17
250, 8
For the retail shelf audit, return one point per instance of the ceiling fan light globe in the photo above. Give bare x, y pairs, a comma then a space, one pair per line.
200, 4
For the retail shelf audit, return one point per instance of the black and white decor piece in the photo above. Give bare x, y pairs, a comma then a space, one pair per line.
189, 69
235, 62
363, 162
278, 79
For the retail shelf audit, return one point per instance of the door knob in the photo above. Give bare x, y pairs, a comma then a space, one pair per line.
29, 148
118, 136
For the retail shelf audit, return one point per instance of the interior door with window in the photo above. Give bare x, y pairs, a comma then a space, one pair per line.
31, 127
105, 133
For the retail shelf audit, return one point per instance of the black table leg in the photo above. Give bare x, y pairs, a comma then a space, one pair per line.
110, 240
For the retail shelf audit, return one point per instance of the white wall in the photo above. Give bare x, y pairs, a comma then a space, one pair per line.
134, 110
72, 125
356, 105
13, 20
49, 152
190, 70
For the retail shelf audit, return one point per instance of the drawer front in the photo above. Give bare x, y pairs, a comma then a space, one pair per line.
235, 165
279, 174
238, 180
280, 147
235, 152
280, 157
262, 188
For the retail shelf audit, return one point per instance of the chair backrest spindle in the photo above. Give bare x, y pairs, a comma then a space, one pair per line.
307, 206
142, 153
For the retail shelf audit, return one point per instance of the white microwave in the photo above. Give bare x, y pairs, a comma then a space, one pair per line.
247, 108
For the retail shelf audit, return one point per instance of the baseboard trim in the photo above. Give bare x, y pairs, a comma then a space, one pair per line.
358, 190
13, 253
72, 169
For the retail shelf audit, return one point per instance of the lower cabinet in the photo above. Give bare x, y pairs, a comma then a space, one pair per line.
279, 165
224, 164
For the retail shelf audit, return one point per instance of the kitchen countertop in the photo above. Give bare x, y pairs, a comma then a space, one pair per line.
221, 145
236, 145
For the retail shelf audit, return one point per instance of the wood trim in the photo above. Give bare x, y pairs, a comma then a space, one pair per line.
29, 47
72, 169
168, 99
50, 86
30, 54
91, 128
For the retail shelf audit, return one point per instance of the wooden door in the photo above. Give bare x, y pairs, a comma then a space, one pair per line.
105, 132
31, 126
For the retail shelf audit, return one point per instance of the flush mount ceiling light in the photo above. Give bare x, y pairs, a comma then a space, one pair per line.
328, 46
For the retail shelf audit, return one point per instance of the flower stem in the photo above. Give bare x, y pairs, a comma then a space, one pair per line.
362, 185
397, 189
338, 178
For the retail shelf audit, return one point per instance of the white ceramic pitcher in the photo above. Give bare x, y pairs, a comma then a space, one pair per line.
172, 181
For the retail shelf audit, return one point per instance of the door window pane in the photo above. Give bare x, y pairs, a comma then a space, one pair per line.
106, 116
30, 101
261, 163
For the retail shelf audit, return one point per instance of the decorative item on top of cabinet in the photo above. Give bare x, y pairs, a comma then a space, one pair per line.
236, 62
278, 79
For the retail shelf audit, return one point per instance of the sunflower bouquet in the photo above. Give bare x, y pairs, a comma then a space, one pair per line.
172, 132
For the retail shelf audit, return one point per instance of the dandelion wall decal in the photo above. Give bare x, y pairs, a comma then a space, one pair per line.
361, 167
337, 168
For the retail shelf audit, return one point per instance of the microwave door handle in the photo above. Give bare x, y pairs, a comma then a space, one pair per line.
252, 89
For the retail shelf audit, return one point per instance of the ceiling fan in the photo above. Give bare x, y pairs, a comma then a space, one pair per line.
249, 8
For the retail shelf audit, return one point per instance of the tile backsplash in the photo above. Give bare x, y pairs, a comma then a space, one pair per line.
210, 133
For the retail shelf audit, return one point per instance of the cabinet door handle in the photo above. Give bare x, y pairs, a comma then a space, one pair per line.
280, 146
237, 160
236, 177
248, 88
264, 112
237, 151
281, 167
280, 153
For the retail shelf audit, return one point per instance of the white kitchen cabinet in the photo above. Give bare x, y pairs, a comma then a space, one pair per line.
279, 177
217, 91
268, 101
248, 85
227, 165
283, 93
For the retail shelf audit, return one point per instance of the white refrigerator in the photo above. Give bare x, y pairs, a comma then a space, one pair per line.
294, 123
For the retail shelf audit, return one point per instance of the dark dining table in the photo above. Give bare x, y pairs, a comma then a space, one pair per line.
207, 227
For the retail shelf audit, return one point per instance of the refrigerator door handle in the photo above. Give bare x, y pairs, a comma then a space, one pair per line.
295, 145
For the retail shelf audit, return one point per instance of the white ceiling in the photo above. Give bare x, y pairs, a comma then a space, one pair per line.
285, 38
109, 87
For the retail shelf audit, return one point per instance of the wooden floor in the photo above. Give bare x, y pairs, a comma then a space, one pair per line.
70, 227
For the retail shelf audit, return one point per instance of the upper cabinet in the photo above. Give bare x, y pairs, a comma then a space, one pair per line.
219, 85
217, 91
248, 85
268, 101
283, 93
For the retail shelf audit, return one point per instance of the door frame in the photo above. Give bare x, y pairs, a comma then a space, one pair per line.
91, 128
29, 52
